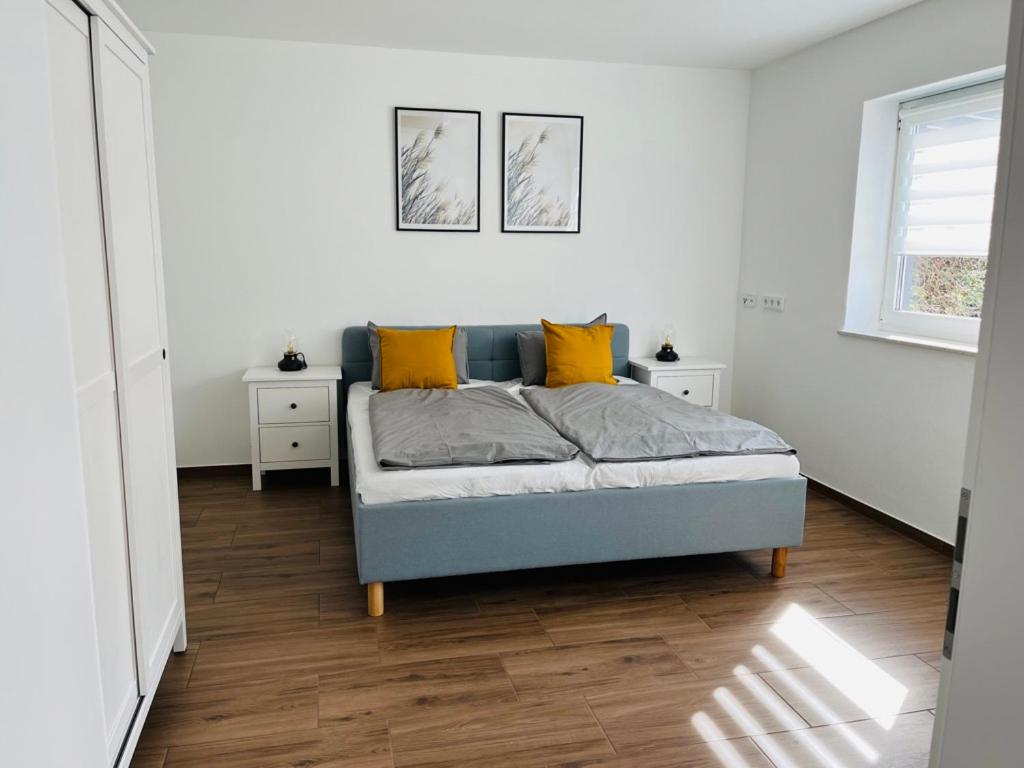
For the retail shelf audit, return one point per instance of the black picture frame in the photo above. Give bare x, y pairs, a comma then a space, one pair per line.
421, 226
542, 229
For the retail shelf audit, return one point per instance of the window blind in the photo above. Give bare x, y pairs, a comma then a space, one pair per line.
948, 147
947, 152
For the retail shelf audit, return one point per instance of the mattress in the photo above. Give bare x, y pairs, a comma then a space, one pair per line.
379, 486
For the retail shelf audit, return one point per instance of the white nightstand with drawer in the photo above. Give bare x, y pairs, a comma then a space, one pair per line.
695, 379
293, 419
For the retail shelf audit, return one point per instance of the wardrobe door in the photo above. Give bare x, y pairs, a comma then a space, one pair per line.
86, 277
127, 175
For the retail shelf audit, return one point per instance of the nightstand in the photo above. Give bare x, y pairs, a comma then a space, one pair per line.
293, 419
695, 379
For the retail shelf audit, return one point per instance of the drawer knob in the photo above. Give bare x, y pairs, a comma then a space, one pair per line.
293, 406
686, 391
295, 444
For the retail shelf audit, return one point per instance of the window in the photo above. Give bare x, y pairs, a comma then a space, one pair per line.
941, 219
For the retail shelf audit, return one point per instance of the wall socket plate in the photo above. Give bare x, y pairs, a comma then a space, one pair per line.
773, 303
748, 300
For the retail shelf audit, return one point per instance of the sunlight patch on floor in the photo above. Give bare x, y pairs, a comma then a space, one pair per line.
773, 703
724, 751
768, 659
785, 715
874, 691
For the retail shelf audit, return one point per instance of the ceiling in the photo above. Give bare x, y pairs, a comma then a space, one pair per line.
699, 33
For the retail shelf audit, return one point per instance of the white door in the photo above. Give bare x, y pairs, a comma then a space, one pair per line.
86, 276
981, 696
127, 174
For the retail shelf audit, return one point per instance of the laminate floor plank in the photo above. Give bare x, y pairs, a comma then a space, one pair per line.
760, 604
693, 712
447, 635
207, 536
353, 745
716, 575
856, 745
189, 515
179, 668
387, 691
619, 619
297, 528
549, 595
244, 557
889, 594
149, 758
718, 653
241, 512
933, 659
349, 605
891, 633
811, 566
729, 753
201, 586
499, 736
594, 668
285, 654
337, 552
272, 582
199, 715
261, 616
846, 692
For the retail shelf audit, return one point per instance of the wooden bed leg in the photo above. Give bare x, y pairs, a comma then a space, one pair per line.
779, 557
375, 598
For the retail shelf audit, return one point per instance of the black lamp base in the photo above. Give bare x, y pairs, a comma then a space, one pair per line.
666, 354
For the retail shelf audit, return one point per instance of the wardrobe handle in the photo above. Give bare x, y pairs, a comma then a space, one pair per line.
293, 406
686, 391
295, 445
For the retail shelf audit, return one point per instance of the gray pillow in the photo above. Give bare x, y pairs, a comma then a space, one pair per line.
460, 349
533, 361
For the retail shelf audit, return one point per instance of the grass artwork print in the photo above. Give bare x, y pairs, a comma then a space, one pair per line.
438, 169
542, 157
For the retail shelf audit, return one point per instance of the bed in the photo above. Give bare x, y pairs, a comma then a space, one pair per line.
563, 521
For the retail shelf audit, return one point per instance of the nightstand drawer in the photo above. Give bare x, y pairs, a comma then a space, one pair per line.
290, 405
698, 389
307, 443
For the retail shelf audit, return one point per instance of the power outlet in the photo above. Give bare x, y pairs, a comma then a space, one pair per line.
748, 300
773, 303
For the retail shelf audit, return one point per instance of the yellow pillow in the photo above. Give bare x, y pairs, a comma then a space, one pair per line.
417, 359
578, 354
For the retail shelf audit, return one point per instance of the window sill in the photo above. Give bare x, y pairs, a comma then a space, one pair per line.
913, 341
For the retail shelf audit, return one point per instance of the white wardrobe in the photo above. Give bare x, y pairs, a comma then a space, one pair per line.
111, 241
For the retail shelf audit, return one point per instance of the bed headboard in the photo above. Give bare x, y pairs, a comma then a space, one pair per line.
493, 352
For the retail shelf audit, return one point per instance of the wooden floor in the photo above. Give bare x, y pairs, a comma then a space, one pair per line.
702, 661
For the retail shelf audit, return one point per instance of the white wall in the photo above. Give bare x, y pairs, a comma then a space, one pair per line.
883, 423
275, 165
50, 706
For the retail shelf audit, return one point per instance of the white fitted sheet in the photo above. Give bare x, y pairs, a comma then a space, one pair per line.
380, 486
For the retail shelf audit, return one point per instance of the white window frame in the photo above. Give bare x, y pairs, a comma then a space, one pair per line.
892, 319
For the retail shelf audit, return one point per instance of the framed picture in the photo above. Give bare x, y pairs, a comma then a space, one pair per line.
542, 171
437, 160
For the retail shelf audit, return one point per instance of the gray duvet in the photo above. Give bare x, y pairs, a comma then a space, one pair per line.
450, 427
640, 423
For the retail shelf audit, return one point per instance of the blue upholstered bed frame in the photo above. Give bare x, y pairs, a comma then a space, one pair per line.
421, 539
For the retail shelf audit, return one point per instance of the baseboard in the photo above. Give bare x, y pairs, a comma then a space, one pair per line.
932, 542
216, 470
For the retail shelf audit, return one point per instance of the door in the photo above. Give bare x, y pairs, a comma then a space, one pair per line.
86, 278
127, 174
981, 696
